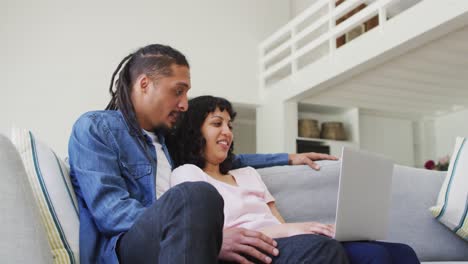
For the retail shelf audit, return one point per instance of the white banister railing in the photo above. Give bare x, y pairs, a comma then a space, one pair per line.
282, 50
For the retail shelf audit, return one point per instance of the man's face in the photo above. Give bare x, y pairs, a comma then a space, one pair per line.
158, 102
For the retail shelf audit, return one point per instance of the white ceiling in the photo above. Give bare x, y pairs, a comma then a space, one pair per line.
431, 80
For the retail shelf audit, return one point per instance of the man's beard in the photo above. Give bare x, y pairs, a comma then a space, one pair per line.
161, 129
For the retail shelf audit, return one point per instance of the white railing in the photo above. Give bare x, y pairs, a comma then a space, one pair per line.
281, 53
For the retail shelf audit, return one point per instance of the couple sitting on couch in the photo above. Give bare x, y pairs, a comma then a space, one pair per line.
121, 166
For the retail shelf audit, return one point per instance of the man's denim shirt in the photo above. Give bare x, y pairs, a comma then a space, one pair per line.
114, 182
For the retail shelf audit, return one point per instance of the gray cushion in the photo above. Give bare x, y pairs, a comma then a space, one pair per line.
303, 194
414, 192
23, 238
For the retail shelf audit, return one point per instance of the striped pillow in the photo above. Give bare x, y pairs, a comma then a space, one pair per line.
452, 203
53, 192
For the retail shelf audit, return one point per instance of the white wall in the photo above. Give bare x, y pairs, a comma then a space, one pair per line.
413, 143
391, 137
424, 138
277, 126
57, 57
244, 136
297, 6
447, 128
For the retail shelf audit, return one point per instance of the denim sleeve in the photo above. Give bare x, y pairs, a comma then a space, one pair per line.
260, 160
97, 179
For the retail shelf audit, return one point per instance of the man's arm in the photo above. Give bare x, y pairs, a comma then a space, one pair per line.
260, 160
269, 160
97, 177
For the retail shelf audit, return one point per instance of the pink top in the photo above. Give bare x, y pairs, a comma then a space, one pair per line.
245, 205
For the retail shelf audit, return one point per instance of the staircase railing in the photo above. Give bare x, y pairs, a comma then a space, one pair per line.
294, 45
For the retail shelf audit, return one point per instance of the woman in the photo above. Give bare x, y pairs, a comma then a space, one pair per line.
205, 145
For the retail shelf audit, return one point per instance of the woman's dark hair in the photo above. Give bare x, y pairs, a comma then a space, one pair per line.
154, 60
186, 142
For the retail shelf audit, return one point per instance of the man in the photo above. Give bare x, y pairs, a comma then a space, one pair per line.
119, 161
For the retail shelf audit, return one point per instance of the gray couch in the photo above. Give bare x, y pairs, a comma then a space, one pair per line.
302, 195
22, 236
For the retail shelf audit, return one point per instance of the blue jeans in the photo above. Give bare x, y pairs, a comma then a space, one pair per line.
320, 249
310, 249
184, 226
375, 252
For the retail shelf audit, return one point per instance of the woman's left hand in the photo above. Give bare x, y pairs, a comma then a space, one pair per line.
293, 229
309, 158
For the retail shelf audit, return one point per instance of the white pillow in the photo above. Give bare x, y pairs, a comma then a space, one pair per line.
49, 179
452, 202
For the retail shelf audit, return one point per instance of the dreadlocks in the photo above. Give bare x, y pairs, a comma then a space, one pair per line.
154, 60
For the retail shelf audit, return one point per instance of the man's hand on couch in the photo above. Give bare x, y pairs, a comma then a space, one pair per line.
309, 158
240, 242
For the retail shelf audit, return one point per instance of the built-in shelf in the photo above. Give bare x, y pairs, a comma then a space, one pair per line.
323, 113
328, 141
335, 146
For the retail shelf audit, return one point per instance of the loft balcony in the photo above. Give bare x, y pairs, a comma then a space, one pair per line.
390, 67
405, 57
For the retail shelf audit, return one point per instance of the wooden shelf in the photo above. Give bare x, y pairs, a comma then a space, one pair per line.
335, 145
322, 113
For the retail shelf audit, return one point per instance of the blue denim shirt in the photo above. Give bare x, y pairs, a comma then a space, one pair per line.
114, 181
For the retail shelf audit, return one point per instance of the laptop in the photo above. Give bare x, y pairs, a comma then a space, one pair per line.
364, 196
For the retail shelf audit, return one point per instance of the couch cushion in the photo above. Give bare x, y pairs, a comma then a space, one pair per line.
414, 191
49, 179
23, 239
303, 194
452, 202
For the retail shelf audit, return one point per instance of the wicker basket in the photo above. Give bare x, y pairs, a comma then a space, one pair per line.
308, 128
333, 130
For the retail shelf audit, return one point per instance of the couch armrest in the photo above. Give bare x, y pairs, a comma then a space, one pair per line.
23, 236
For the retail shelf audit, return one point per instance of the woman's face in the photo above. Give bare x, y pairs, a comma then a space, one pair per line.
217, 131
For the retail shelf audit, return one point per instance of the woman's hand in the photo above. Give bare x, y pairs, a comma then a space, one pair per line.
293, 229
309, 158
